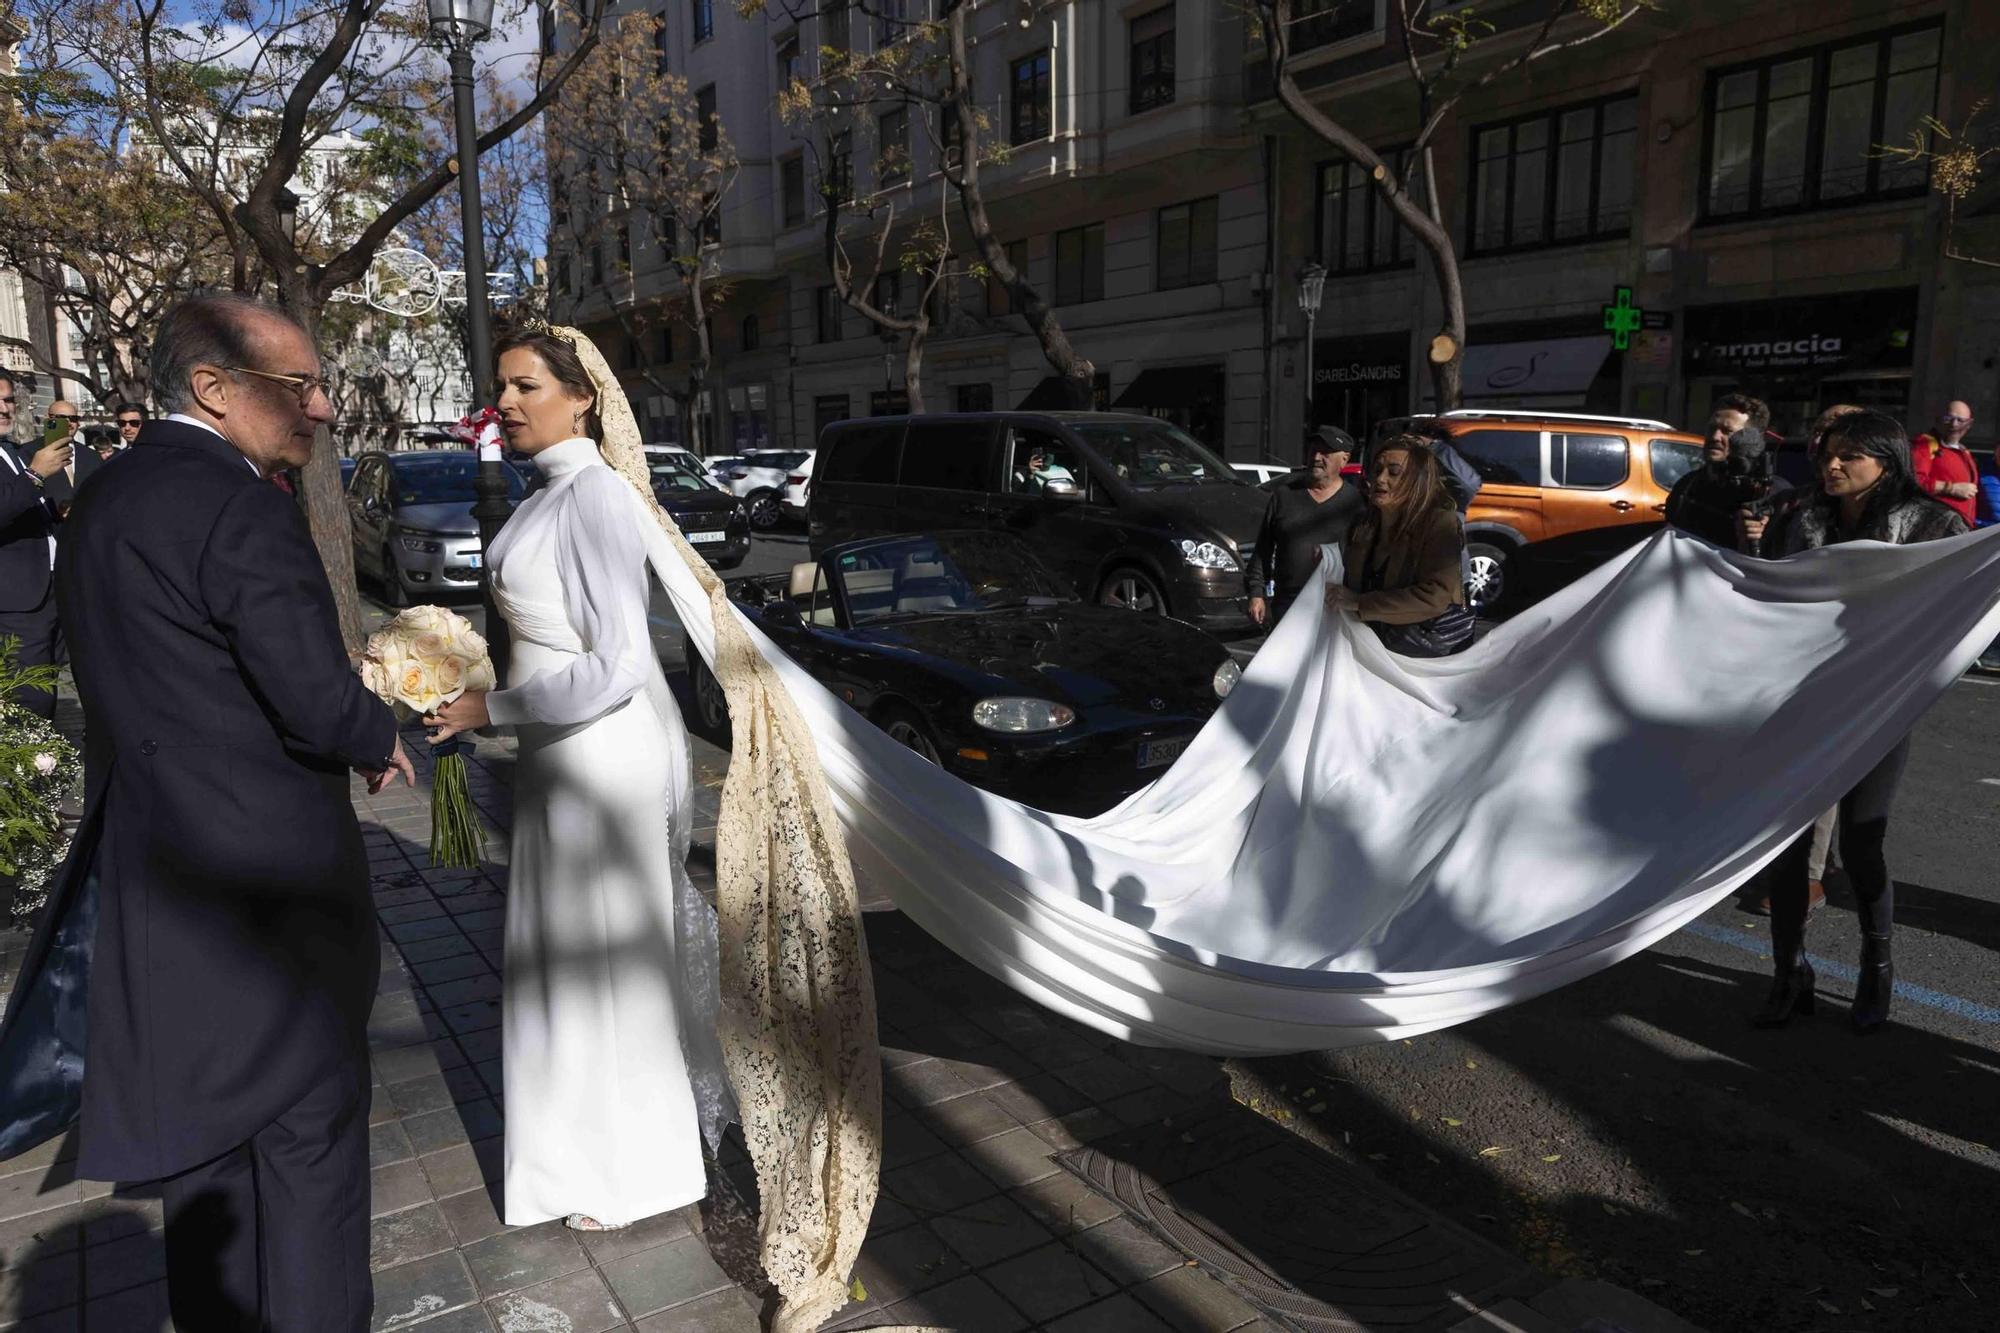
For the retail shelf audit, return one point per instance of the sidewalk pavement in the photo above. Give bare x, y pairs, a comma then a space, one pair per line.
979, 1228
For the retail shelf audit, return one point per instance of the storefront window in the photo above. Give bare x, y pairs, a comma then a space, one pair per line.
749, 417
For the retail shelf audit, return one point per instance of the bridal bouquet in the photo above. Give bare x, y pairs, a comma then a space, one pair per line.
37, 769
425, 658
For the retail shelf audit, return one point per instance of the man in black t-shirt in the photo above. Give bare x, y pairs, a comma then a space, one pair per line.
1305, 513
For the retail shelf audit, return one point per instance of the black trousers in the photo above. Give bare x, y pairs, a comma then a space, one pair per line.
41, 639
1864, 828
272, 1236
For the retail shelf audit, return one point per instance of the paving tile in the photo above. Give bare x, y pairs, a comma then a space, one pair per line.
1188, 1297
516, 1259
990, 1230
134, 1310
924, 1083
474, 897
443, 946
1038, 1097
575, 1303
728, 1311
1079, 1127
665, 1276
456, 967
411, 1293
1049, 1281
431, 1092
472, 1215
483, 986
61, 1148
1018, 1157
904, 1140
51, 1231
1064, 1204
118, 1265
965, 1304
1120, 1314
397, 1186
1127, 1251
645, 1234
404, 1237
1104, 1079
462, 1167
406, 1062
420, 907
126, 1214
40, 1285
38, 1191
468, 1122
965, 1120
937, 1185
413, 932
480, 1046
902, 1263
467, 1319
388, 1144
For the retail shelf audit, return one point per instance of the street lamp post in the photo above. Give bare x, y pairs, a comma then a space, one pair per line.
1312, 286
455, 26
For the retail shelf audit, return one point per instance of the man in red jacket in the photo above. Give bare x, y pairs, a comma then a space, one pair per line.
1944, 466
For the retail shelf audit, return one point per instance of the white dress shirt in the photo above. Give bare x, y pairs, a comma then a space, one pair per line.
186, 420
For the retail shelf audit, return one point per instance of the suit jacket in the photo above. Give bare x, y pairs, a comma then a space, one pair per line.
234, 955
62, 489
25, 524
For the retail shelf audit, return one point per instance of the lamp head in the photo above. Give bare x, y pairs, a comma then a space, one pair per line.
454, 21
288, 212
1312, 286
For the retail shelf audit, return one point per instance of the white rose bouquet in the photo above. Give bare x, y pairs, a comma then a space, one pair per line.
424, 658
37, 769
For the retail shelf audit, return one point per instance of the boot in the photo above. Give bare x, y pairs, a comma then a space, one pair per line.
1792, 976
1877, 983
1815, 899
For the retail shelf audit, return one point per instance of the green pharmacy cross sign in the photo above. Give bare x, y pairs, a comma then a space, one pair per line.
1622, 318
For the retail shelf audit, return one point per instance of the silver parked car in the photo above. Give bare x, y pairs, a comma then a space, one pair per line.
411, 514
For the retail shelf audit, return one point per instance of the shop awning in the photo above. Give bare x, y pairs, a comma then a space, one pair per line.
1533, 369
1170, 387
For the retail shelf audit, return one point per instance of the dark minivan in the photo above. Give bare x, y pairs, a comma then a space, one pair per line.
1128, 508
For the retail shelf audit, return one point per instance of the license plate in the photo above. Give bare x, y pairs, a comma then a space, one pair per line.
475, 560
1158, 754
698, 537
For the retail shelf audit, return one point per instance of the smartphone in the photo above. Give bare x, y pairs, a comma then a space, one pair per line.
56, 429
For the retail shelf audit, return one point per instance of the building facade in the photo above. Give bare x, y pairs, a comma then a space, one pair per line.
1696, 203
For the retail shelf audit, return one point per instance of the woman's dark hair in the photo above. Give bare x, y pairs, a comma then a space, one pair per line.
1882, 438
565, 367
1419, 490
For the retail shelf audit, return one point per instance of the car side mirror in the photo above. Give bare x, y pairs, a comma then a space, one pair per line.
1062, 490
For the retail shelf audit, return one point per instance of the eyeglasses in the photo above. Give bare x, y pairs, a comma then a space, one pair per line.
303, 385
1953, 416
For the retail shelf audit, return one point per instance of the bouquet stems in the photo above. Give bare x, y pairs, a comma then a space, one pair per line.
457, 840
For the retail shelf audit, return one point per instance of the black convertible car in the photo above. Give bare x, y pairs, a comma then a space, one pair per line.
966, 648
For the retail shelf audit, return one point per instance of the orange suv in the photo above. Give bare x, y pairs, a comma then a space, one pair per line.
1562, 494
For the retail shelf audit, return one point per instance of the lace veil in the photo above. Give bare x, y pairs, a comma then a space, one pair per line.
797, 1021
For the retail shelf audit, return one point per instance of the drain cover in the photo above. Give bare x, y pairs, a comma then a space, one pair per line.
1294, 1232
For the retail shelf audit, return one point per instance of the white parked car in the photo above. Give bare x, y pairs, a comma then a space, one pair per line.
718, 467
760, 480
687, 458
798, 484
1259, 473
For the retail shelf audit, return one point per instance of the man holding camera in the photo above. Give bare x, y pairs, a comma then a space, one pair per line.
1735, 473
28, 549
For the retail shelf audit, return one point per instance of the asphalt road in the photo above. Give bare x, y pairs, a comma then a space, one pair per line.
1633, 1127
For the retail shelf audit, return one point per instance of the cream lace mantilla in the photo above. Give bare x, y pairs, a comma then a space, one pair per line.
798, 1005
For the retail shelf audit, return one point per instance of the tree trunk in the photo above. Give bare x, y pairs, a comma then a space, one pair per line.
913, 369
319, 484
1077, 372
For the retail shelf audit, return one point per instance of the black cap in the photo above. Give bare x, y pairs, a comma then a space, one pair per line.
1329, 440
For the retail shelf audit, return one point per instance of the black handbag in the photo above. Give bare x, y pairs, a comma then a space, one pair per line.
1449, 631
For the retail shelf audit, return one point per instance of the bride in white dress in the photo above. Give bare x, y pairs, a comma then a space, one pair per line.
609, 1053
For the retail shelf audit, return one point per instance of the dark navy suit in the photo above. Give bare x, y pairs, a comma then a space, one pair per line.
215, 909
27, 589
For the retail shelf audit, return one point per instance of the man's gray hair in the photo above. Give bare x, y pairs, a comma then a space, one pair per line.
211, 329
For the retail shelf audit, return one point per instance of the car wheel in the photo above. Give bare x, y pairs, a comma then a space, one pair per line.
908, 730
1486, 577
765, 510
1132, 590
394, 595
711, 705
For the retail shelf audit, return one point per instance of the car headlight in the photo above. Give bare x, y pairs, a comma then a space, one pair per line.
1022, 715
419, 544
1225, 678
1206, 555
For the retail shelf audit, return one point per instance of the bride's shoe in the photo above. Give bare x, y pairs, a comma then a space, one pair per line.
585, 1222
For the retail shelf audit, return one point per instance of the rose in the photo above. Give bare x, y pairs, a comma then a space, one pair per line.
430, 645
479, 676
449, 674
45, 764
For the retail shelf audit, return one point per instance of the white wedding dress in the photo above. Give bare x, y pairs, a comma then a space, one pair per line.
611, 1065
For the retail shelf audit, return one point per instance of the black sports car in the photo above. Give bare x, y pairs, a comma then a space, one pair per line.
714, 521
967, 649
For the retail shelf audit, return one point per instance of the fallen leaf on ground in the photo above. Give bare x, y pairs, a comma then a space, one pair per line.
1884, 1292
1378, 1157
1487, 1217
1493, 1152
1553, 1157
1692, 1253
1433, 1157
1828, 1306
1737, 1207
1317, 1108
1453, 1123
1472, 1064
856, 1292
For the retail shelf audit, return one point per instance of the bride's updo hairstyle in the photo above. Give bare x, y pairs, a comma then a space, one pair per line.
565, 366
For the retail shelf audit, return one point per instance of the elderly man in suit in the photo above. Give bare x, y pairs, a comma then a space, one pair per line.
83, 461
214, 912
28, 550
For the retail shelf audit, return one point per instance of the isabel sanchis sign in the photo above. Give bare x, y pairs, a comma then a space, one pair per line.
1367, 359
1807, 335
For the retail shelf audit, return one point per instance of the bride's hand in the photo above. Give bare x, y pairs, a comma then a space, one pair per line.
465, 713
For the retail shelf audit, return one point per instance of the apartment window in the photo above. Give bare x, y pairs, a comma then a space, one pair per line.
1357, 230
666, 344
792, 189
834, 25
1323, 22
839, 179
1187, 244
826, 315
709, 127
1563, 175
748, 335
951, 133
660, 64
711, 219
1800, 131
892, 147
703, 12
668, 230
1079, 262
624, 249
791, 64
892, 22
1028, 113
1152, 76
597, 264
999, 299
562, 275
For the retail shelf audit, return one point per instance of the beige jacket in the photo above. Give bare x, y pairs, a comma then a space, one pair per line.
1418, 578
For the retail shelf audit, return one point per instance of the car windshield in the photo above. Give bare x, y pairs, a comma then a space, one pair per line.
437, 481
673, 475
955, 574
1148, 454
784, 458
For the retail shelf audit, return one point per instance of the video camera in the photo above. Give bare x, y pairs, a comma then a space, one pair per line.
1750, 477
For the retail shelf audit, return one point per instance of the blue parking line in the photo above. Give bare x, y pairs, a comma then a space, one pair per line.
1757, 944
